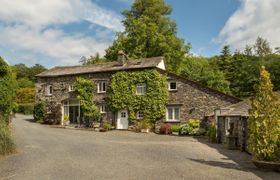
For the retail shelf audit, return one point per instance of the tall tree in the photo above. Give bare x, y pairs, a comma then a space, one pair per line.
149, 32
262, 47
264, 121
200, 70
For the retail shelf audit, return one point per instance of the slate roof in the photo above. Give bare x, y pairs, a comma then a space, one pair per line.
239, 109
106, 67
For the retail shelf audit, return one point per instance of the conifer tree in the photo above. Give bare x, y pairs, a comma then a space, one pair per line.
264, 121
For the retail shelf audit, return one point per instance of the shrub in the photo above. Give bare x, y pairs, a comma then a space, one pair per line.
211, 133
175, 128
40, 111
6, 143
192, 128
25, 108
25, 95
165, 128
145, 124
264, 121
107, 126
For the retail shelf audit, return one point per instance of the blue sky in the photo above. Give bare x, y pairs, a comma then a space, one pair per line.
60, 32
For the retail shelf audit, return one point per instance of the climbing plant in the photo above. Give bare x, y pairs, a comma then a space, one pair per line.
264, 121
123, 95
84, 89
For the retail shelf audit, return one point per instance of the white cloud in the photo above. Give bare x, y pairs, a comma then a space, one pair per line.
26, 26
252, 19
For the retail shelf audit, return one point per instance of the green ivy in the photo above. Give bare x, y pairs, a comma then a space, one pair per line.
123, 95
84, 89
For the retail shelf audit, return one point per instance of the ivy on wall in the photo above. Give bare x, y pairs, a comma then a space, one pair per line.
123, 95
84, 89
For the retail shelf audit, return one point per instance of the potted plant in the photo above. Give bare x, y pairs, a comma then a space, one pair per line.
145, 126
175, 129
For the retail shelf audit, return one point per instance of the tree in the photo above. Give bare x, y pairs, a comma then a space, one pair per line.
149, 32
262, 47
248, 51
225, 61
264, 121
93, 60
200, 70
7, 90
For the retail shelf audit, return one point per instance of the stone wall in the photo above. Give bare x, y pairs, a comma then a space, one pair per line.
239, 131
196, 101
61, 92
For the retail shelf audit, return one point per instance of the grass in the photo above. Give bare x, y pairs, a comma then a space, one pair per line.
7, 145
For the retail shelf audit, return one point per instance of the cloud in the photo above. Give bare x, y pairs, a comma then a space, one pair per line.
252, 19
30, 26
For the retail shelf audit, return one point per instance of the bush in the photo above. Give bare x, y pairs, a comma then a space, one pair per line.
175, 128
25, 95
165, 128
40, 111
192, 128
145, 124
6, 144
107, 126
25, 108
211, 133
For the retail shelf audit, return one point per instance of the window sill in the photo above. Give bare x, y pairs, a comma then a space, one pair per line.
101, 92
172, 121
172, 90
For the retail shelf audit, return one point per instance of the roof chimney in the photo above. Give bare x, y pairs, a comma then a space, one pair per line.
122, 58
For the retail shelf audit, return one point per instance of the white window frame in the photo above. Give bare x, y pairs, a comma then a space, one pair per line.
173, 119
141, 89
102, 87
103, 108
49, 90
71, 88
140, 115
169, 85
227, 125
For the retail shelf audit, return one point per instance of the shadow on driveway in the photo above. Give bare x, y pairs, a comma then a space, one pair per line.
242, 161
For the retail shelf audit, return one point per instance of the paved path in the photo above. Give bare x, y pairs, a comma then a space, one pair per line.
50, 153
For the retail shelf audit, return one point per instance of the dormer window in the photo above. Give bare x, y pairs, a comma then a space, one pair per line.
141, 89
49, 90
71, 88
172, 86
102, 87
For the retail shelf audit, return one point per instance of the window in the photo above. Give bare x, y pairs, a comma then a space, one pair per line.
102, 87
123, 114
173, 114
49, 90
71, 88
172, 86
103, 108
140, 88
140, 115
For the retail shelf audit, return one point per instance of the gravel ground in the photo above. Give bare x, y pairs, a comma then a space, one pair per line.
52, 153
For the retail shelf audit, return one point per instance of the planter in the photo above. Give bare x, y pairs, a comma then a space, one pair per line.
266, 165
145, 130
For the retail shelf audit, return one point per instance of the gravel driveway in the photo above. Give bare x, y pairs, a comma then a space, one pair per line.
52, 153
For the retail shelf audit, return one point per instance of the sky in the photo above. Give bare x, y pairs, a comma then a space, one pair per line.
59, 33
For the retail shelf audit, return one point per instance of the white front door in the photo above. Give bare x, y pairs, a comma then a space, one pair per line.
122, 121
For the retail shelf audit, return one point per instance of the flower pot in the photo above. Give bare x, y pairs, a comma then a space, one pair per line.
267, 165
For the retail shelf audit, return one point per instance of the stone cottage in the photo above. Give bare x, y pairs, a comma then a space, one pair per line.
187, 99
